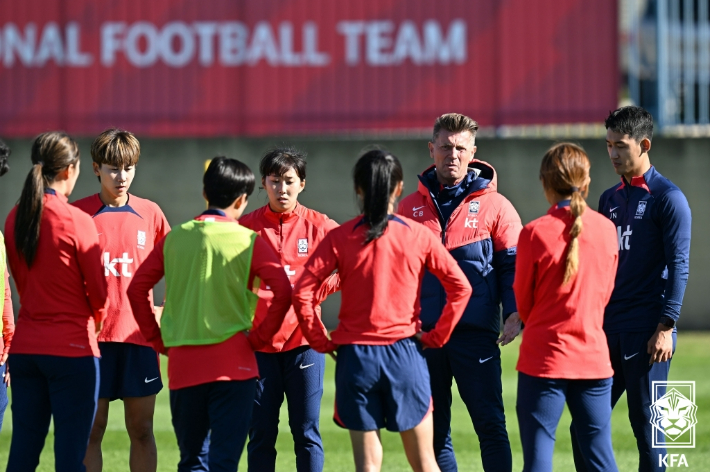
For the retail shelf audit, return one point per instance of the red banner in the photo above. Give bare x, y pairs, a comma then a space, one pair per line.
220, 67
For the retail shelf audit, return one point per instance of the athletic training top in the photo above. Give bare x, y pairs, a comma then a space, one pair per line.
127, 234
293, 236
380, 283
563, 337
652, 220
64, 293
480, 228
7, 321
232, 359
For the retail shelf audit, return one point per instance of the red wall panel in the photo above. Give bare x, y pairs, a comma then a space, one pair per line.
188, 68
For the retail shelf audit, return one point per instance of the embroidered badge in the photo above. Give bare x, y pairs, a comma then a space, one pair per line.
473, 207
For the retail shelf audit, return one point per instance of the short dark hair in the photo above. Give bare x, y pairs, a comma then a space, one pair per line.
634, 121
225, 180
279, 160
4, 154
116, 147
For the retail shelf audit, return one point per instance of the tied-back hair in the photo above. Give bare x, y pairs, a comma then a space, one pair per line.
52, 152
565, 169
376, 174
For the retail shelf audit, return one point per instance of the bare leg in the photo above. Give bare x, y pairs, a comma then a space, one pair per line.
93, 460
367, 450
139, 423
419, 446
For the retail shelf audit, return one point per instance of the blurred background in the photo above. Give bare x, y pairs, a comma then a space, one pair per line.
194, 80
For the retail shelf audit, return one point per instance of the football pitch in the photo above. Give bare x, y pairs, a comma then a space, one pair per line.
690, 363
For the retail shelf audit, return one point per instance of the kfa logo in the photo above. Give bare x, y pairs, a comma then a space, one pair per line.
624, 237
640, 210
141, 239
110, 265
673, 415
302, 246
473, 208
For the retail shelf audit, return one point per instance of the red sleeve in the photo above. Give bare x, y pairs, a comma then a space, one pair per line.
319, 267
457, 287
8, 318
507, 228
88, 257
162, 227
525, 268
328, 287
266, 266
145, 278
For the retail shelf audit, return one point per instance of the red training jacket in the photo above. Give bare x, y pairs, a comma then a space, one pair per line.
232, 359
380, 284
64, 294
127, 234
563, 336
481, 234
293, 236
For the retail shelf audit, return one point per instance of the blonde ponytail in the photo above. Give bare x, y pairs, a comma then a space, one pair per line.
577, 206
565, 170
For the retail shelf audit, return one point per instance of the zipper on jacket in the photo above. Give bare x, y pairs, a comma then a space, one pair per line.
281, 235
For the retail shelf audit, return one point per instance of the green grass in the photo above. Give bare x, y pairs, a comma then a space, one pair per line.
690, 363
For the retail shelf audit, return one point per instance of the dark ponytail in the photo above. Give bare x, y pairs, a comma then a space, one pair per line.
376, 175
51, 153
4, 154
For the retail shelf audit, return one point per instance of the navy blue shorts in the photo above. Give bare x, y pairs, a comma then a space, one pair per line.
128, 370
381, 386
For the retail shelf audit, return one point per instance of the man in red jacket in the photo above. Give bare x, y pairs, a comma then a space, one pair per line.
458, 201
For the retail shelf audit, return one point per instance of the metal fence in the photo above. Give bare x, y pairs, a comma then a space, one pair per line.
669, 63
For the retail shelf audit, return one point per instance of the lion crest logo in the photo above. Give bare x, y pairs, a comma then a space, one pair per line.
673, 414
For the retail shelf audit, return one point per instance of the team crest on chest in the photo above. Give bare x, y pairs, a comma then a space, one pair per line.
141, 238
473, 208
302, 245
640, 210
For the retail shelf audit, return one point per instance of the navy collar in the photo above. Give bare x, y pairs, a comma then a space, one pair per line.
50, 191
213, 212
396, 218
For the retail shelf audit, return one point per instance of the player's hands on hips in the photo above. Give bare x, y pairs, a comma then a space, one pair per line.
511, 328
419, 338
6, 378
660, 346
99, 325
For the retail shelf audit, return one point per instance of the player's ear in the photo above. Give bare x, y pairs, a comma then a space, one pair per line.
241, 201
645, 145
398, 189
302, 185
96, 168
431, 149
204, 195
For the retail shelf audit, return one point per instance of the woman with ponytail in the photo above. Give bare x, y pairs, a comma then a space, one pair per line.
564, 276
7, 322
381, 376
52, 251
